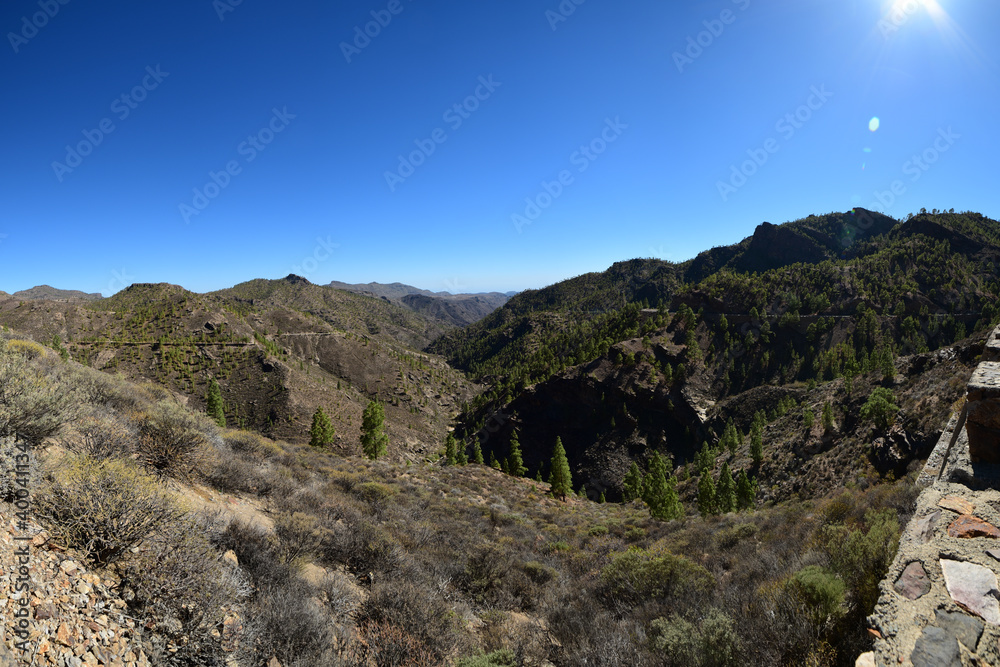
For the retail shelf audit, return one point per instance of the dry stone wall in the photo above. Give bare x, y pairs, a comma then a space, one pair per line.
940, 602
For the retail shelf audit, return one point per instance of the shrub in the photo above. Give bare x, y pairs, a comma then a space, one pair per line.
229, 475
250, 444
386, 645
104, 437
713, 644
178, 581
820, 591
33, 404
103, 507
171, 440
862, 557
539, 572
597, 531
503, 657
415, 611
300, 534
638, 574
374, 492
677, 640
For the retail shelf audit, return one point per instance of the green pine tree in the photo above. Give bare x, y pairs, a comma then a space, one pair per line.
725, 491
538, 476
660, 492
730, 437
477, 452
321, 432
632, 485
560, 479
827, 417
706, 494
374, 440
450, 450
515, 461
461, 458
493, 461
213, 404
746, 492
601, 499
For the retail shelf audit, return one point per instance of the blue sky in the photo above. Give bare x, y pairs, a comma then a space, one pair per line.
470, 146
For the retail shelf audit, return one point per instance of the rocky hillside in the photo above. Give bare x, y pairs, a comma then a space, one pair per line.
278, 349
815, 312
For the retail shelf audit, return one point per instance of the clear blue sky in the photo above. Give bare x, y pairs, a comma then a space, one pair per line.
671, 129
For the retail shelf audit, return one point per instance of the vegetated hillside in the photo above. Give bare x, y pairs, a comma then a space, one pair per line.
276, 349
47, 292
295, 554
452, 309
618, 383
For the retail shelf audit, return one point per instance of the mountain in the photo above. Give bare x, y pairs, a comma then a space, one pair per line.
457, 310
44, 292
811, 366
278, 348
651, 356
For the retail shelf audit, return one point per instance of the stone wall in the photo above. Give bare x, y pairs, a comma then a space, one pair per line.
940, 601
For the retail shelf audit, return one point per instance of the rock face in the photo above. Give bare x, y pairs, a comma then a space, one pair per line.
983, 423
972, 587
968, 526
913, 583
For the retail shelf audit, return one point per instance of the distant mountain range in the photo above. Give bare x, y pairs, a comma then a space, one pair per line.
456, 309
47, 293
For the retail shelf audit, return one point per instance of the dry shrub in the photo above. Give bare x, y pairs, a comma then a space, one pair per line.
386, 645
102, 507
35, 400
172, 440
178, 582
104, 437
415, 610
251, 445
300, 535
229, 475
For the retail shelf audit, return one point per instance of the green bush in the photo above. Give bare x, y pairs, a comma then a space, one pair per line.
503, 657
638, 574
714, 643
102, 507
821, 592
